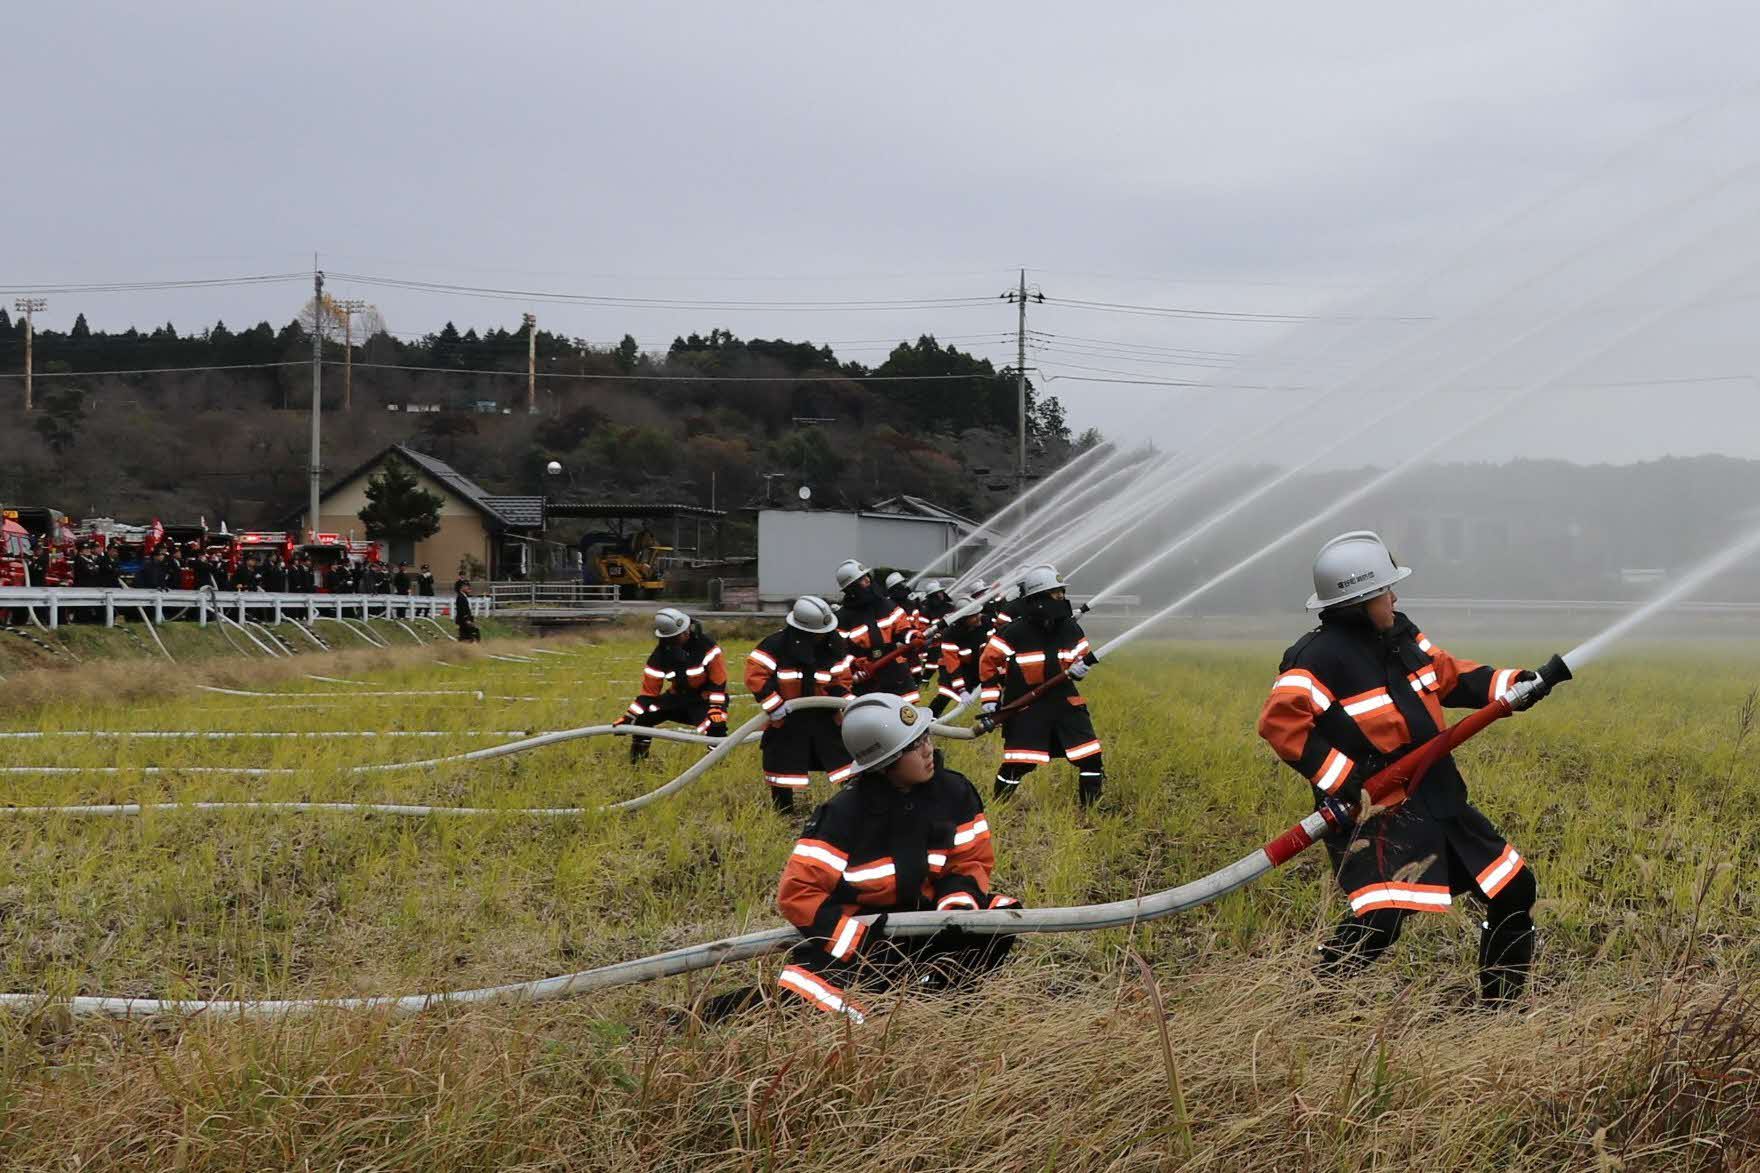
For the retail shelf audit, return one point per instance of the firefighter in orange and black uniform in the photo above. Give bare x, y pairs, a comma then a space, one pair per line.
684, 680
907, 835
1357, 692
806, 658
1043, 641
961, 648
873, 625
932, 605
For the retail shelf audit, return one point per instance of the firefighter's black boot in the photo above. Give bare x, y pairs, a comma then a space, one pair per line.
1359, 940
1089, 787
1008, 779
782, 799
1506, 941
638, 748
1506, 954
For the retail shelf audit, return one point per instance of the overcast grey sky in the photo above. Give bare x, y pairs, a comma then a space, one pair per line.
1277, 158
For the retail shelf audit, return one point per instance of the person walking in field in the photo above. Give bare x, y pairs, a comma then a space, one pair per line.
1041, 641
806, 658
906, 835
468, 632
684, 680
1357, 692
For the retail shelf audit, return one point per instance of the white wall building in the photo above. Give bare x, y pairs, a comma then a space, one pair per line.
799, 549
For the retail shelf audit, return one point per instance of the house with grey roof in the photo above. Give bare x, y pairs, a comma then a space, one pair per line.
481, 533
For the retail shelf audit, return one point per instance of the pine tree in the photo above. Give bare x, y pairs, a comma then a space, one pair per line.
398, 509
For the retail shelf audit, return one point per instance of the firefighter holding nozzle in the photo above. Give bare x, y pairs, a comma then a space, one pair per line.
906, 835
684, 680
1359, 691
1041, 642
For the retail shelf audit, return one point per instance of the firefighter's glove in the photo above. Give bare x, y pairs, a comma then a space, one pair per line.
780, 711
1535, 689
1078, 669
987, 708
876, 931
1342, 815
718, 729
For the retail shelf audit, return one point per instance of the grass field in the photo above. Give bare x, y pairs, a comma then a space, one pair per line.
1632, 792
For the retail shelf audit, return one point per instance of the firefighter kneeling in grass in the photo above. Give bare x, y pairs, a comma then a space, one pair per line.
806, 658
907, 835
1042, 641
1357, 692
684, 680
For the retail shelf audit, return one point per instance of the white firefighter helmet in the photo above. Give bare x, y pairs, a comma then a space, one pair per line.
877, 728
670, 622
812, 614
850, 571
1351, 568
1038, 580
930, 586
893, 580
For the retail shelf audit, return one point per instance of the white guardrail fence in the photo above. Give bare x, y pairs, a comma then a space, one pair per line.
556, 596
53, 604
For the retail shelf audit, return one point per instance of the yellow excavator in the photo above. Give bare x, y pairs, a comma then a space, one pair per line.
631, 561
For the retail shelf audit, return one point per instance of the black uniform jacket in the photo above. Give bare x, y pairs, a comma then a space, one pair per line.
875, 848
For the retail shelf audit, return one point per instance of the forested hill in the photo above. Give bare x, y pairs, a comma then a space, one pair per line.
215, 423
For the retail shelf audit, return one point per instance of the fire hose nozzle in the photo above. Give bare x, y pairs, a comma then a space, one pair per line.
1555, 671
1527, 693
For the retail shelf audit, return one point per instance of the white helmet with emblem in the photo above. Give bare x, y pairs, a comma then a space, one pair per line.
812, 614
1351, 568
877, 728
670, 622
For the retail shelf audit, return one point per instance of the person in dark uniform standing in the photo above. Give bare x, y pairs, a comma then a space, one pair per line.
1043, 640
400, 581
425, 582
872, 625
806, 658
1359, 691
961, 646
468, 632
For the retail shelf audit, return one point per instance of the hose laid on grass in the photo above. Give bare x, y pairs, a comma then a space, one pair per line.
209, 735
153, 631
721, 748
1386, 788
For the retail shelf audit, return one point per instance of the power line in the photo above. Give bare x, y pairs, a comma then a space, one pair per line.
806, 377
148, 286
1220, 315
624, 302
243, 366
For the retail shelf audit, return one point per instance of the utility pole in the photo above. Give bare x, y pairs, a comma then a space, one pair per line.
28, 306
1020, 297
531, 321
348, 307
317, 392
